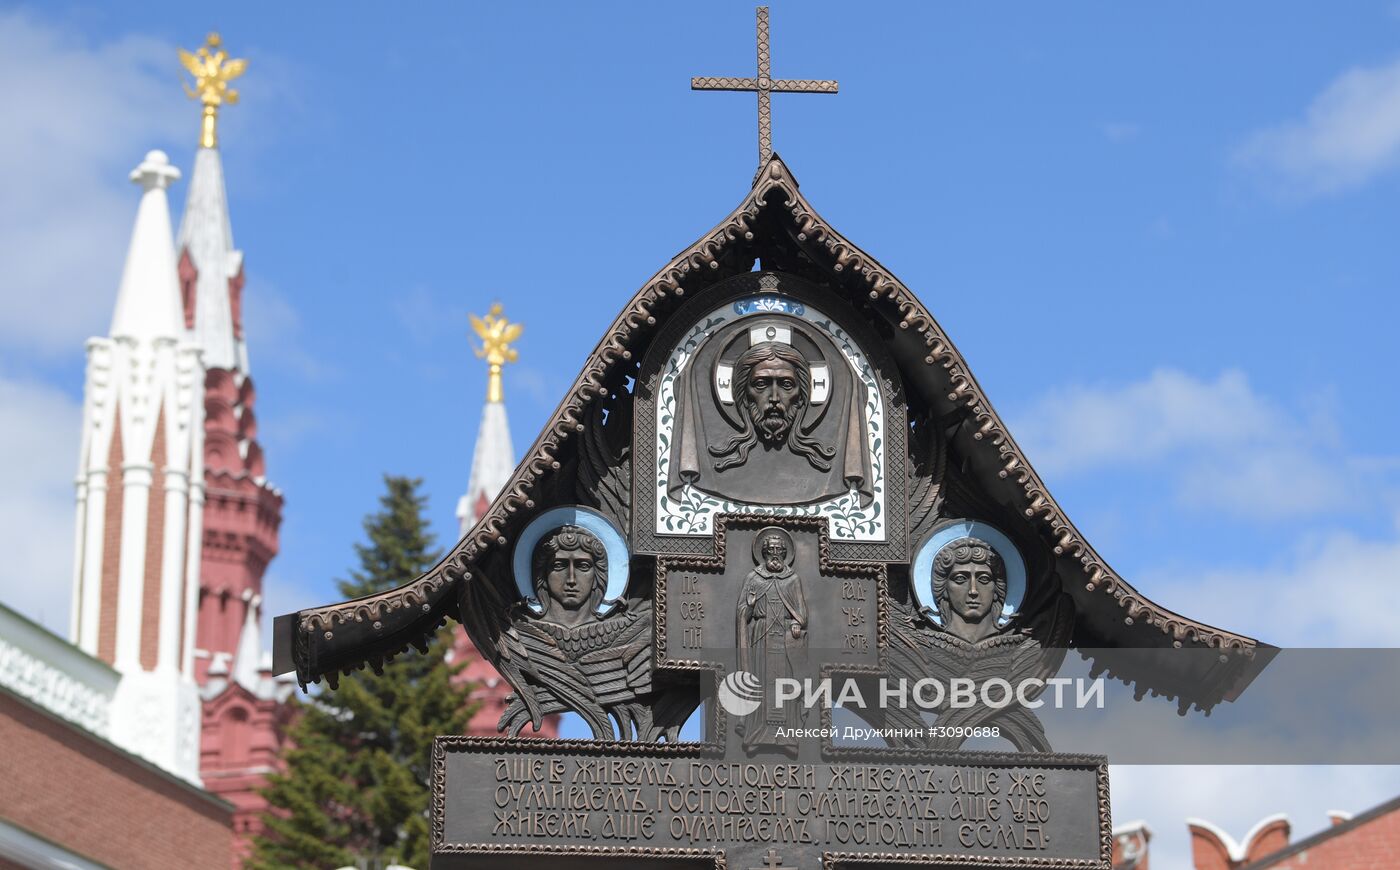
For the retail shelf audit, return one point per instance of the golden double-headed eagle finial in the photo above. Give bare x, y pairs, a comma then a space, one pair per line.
496, 334
212, 69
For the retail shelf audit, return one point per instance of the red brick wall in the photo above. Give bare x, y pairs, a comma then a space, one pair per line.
155, 544
241, 521
1209, 853
65, 786
1371, 845
111, 548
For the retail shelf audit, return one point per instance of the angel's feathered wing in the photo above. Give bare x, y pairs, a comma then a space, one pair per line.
1030, 651
594, 670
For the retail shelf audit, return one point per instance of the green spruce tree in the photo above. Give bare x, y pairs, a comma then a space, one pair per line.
355, 789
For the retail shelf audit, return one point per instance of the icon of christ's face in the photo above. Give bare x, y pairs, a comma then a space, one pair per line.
772, 398
772, 385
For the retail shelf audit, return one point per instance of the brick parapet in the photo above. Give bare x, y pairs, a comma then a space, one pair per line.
71, 787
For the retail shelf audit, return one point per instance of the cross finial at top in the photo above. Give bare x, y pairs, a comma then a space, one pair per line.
764, 85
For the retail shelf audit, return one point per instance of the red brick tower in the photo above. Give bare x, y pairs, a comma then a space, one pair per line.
244, 714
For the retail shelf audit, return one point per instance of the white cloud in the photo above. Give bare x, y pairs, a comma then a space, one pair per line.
1234, 797
77, 118
1334, 589
1082, 427
1349, 135
38, 459
1227, 446
1224, 445
543, 387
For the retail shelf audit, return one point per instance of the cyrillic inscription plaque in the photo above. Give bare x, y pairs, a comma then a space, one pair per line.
579, 799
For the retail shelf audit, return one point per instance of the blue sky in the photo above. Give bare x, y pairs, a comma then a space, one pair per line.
1165, 240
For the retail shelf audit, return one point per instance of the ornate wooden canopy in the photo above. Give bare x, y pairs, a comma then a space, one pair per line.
775, 227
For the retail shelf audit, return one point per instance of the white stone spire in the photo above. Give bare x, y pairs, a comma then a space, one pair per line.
248, 658
142, 421
206, 235
493, 460
148, 300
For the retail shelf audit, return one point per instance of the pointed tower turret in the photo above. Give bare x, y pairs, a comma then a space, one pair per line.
493, 459
211, 268
141, 422
493, 462
239, 510
148, 301
247, 661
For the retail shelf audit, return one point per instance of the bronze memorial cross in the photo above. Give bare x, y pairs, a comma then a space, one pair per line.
755, 623
696, 533
764, 85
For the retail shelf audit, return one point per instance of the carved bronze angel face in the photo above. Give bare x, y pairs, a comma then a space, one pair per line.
570, 574
971, 590
969, 584
570, 577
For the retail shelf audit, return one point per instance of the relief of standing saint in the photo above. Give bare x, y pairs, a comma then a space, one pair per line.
772, 637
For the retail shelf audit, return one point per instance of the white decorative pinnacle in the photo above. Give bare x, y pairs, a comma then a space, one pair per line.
155, 171
248, 656
148, 301
493, 462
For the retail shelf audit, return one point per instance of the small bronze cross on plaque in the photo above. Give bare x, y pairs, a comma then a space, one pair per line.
764, 85
771, 860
